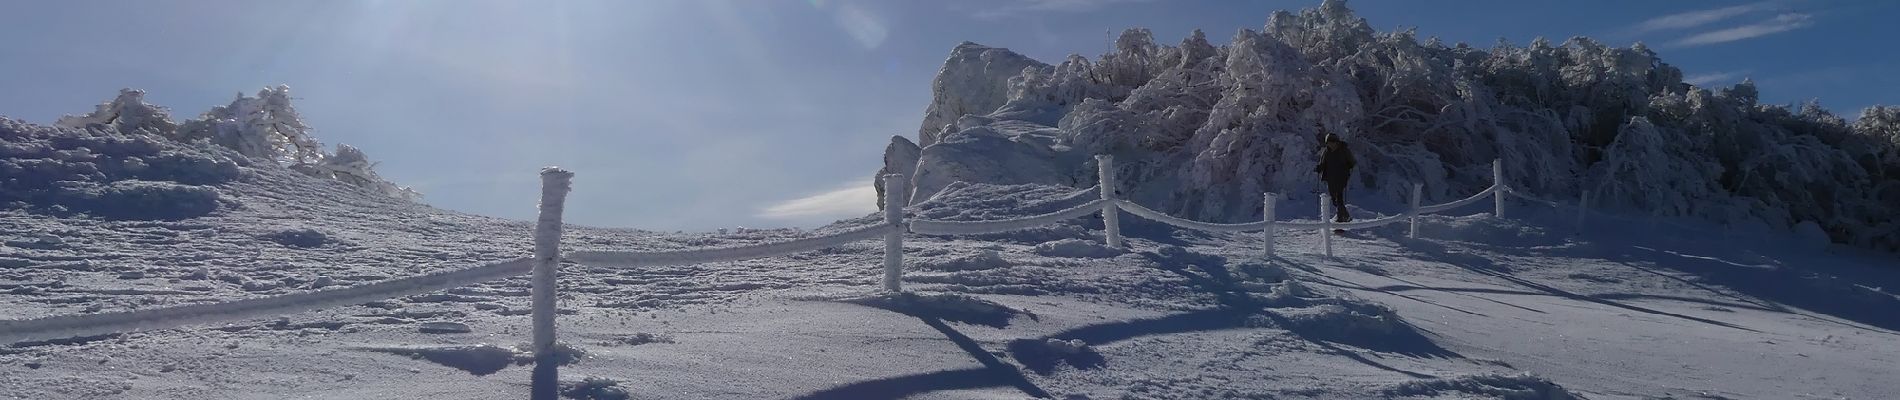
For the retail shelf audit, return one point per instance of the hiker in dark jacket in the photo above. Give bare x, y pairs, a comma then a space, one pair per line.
1335, 168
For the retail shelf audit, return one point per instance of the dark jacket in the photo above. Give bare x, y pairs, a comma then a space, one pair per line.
1335, 166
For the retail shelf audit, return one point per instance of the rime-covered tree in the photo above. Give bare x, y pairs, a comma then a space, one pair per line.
1201, 131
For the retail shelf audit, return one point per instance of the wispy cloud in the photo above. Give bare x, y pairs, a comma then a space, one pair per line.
1780, 23
1696, 18
853, 200
1712, 77
1017, 8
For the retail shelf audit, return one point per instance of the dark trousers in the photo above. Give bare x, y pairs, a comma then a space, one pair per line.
1337, 189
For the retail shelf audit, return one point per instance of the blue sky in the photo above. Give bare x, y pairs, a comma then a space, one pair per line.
698, 114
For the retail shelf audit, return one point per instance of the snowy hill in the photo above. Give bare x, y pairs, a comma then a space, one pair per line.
1203, 130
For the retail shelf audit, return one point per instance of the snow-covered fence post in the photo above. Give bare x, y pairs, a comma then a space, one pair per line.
896, 195
1497, 181
555, 183
1418, 189
1266, 230
1105, 169
1326, 224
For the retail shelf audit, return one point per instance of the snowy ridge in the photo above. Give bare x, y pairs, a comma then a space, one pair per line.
172, 317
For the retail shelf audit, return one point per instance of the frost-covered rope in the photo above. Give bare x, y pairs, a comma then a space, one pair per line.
171, 317
1157, 216
1527, 197
1460, 203
1369, 223
1299, 225
719, 254
929, 227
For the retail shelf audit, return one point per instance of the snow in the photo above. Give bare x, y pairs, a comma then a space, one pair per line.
1478, 308
300, 285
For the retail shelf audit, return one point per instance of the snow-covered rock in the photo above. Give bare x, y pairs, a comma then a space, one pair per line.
973, 81
900, 157
1809, 235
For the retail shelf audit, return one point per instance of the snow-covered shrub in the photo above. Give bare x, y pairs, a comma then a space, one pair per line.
264, 127
351, 166
127, 113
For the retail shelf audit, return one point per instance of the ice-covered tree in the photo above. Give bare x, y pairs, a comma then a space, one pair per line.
265, 126
1201, 130
127, 113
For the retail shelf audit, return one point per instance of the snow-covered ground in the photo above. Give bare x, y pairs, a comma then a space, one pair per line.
1523, 308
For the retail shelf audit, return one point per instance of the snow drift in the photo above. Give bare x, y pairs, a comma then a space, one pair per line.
1201, 131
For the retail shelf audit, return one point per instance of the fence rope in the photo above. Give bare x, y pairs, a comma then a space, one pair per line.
932, 227
1157, 216
721, 254
1393, 219
1526, 197
1459, 203
172, 317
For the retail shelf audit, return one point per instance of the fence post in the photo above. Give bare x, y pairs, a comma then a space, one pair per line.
1266, 215
1326, 223
555, 183
1497, 181
1418, 190
896, 192
1111, 214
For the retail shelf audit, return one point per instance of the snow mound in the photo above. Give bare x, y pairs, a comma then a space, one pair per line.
1523, 386
944, 306
299, 238
982, 260
594, 388
109, 174
1076, 248
482, 359
1044, 355
988, 202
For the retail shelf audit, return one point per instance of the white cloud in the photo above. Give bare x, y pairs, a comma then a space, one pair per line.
1016, 8
1712, 77
854, 200
1780, 23
1695, 18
